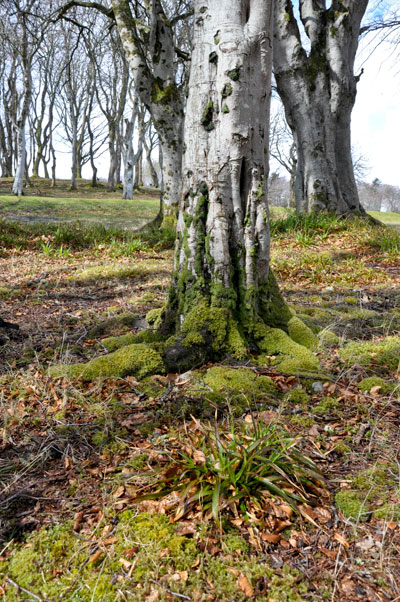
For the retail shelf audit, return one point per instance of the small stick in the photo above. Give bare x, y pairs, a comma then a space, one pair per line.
22, 589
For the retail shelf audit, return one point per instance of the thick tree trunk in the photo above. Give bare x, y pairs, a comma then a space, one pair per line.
318, 90
222, 271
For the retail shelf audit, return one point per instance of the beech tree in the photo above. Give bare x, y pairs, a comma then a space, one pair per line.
317, 85
223, 293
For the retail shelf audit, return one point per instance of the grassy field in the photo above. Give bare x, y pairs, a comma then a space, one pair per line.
390, 218
75, 454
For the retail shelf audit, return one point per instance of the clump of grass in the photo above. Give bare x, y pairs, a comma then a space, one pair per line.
59, 239
308, 225
238, 469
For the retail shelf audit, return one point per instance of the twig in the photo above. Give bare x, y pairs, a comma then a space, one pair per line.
22, 589
361, 432
167, 392
171, 592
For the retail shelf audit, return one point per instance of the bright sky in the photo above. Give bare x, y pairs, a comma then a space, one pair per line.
376, 115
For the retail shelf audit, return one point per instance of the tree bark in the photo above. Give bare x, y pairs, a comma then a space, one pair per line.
158, 91
222, 252
318, 90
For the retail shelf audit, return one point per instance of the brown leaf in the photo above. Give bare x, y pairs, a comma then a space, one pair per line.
125, 563
199, 457
94, 557
77, 521
119, 492
271, 537
185, 529
245, 585
341, 540
109, 541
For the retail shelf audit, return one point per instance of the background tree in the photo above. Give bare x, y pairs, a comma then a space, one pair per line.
316, 82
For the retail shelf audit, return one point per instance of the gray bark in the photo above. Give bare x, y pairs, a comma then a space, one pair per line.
222, 250
154, 73
318, 90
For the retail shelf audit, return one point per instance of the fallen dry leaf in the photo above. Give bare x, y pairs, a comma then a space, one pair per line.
341, 540
245, 585
95, 557
153, 596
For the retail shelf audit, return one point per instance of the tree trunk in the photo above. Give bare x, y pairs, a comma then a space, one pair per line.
222, 288
18, 186
158, 91
152, 170
318, 90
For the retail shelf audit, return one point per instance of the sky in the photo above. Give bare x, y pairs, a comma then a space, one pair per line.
376, 115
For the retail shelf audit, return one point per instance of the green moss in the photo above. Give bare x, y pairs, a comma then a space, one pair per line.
388, 512
301, 334
289, 356
202, 320
235, 344
385, 352
327, 338
325, 405
105, 272
162, 94
226, 90
207, 117
350, 504
213, 57
297, 396
114, 324
235, 388
303, 421
374, 381
6, 292
234, 74
342, 448
375, 480
154, 317
133, 360
148, 336
225, 108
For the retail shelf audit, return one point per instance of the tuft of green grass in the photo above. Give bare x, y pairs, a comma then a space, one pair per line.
238, 469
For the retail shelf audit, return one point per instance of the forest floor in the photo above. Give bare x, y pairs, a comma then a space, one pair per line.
75, 455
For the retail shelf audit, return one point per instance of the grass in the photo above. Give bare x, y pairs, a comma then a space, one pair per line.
390, 218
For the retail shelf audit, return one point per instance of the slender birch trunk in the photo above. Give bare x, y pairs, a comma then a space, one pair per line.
221, 273
318, 90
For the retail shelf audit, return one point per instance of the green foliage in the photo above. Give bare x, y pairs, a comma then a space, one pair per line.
302, 334
309, 224
237, 467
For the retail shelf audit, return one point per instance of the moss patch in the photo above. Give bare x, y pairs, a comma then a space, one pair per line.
297, 396
288, 355
237, 385
49, 564
114, 324
133, 360
366, 353
302, 334
350, 504
374, 381
145, 336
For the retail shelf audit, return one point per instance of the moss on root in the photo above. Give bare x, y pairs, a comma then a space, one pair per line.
145, 336
133, 360
288, 355
114, 324
302, 334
